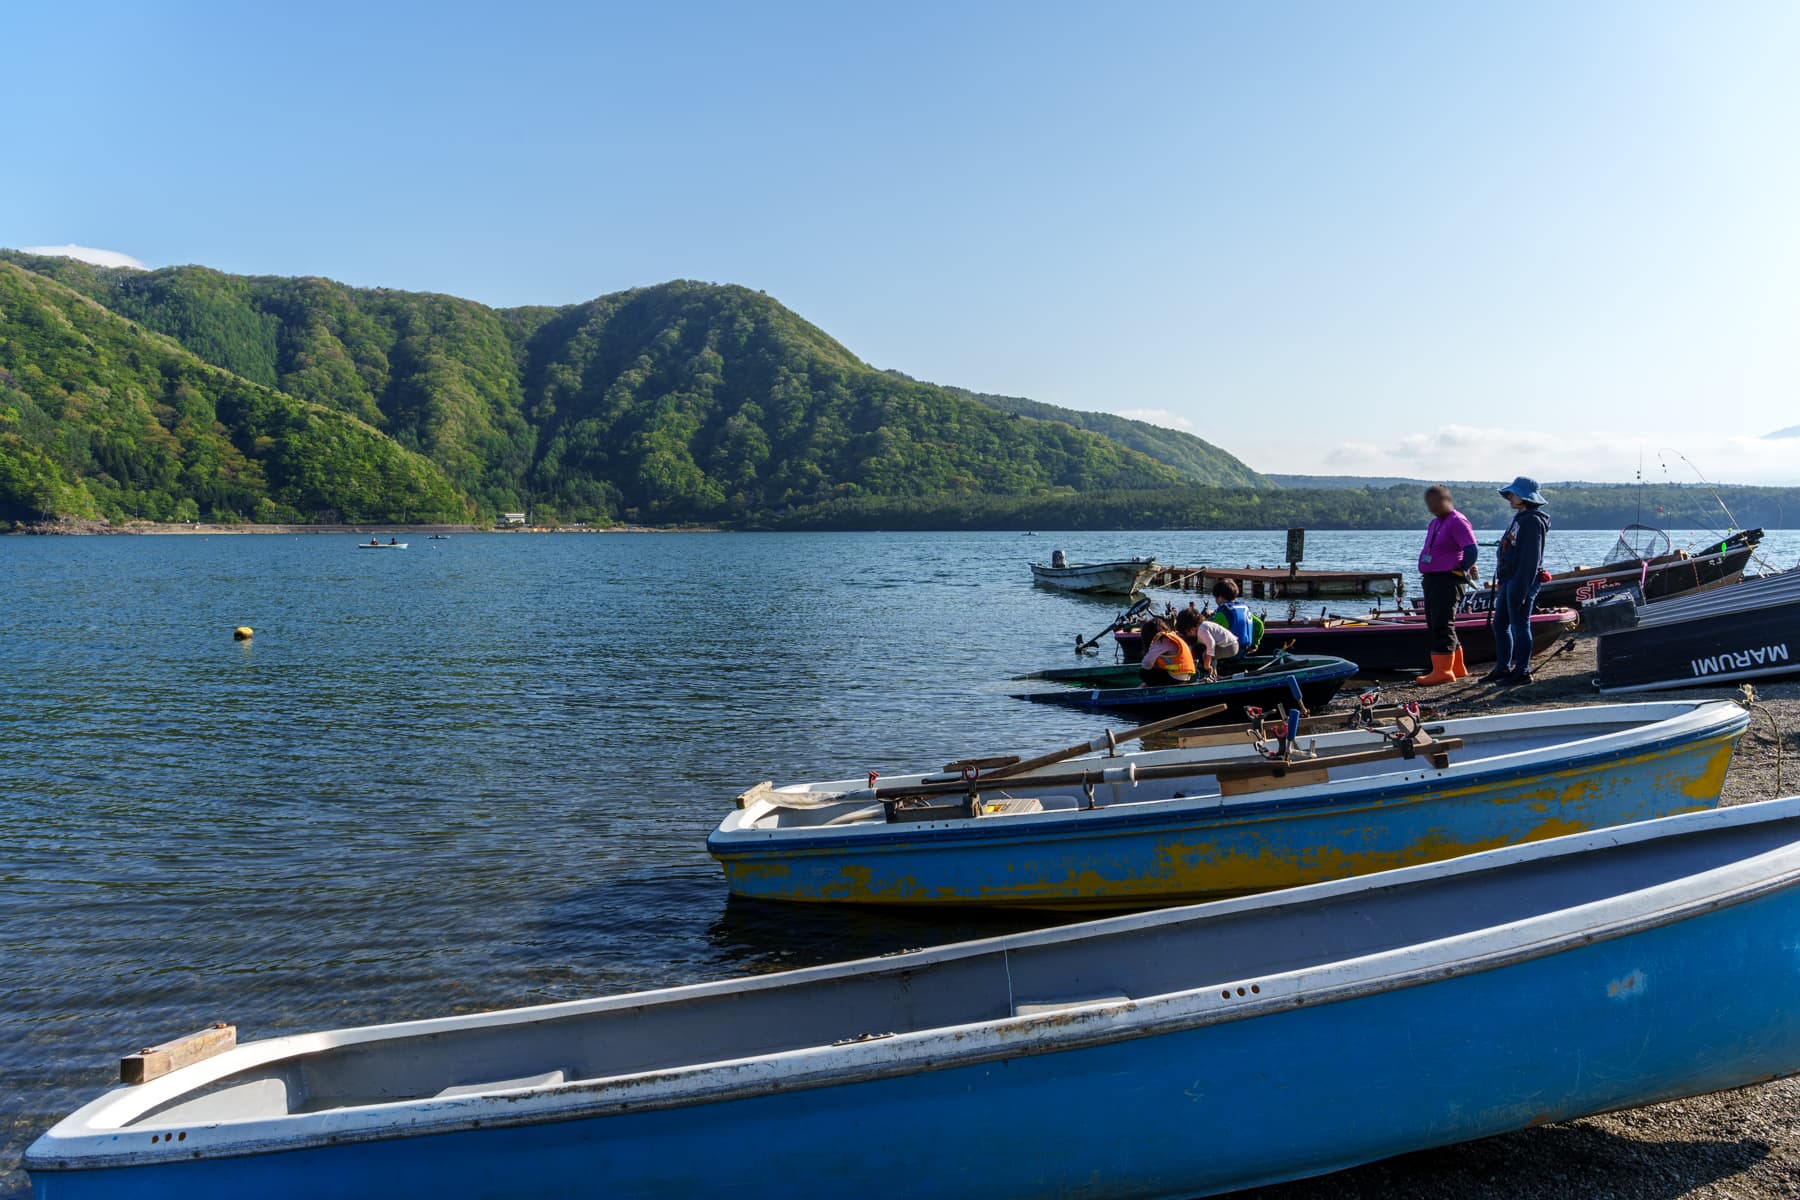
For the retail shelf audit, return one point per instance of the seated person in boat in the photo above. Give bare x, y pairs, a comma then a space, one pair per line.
1208, 639
1168, 659
1235, 614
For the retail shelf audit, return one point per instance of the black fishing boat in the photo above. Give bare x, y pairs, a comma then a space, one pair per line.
1642, 559
1750, 630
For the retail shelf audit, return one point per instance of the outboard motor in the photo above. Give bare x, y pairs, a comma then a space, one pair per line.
1058, 559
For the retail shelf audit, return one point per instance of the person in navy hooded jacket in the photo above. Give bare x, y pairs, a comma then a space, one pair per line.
1519, 563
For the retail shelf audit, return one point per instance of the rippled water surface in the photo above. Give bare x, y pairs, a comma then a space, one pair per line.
479, 772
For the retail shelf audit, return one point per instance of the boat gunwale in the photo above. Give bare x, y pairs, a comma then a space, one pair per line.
1662, 562
1311, 669
1561, 615
1730, 718
1729, 884
1723, 679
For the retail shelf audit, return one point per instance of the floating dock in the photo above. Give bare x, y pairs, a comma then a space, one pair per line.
1281, 583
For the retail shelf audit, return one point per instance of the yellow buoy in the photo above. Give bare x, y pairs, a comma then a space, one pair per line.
243, 633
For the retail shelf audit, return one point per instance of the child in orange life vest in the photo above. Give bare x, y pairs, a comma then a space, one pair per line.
1167, 658
1210, 640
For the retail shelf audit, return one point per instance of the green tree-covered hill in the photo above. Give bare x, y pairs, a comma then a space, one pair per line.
101, 418
680, 402
1198, 460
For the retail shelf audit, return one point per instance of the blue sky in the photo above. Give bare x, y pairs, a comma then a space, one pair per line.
1439, 240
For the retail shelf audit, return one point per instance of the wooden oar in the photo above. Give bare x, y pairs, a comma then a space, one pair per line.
1106, 741
1436, 751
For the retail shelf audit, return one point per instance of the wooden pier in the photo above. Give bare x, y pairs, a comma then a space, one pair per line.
1281, 583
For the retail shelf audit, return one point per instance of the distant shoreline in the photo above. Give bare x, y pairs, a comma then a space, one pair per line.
367, 529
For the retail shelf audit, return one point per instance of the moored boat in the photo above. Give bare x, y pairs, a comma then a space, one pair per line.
1281, 583
1206, 1049
1213, 817
1121, 577
1643, 559
1257, 681
1748, 631
1387, 641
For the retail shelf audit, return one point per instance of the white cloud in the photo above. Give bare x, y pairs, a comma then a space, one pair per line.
1598, 455
87, 254
1159, 416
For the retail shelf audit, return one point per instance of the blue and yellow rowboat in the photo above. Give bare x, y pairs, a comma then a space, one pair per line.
1213, 819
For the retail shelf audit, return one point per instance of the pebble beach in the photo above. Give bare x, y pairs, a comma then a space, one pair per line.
1739, 1145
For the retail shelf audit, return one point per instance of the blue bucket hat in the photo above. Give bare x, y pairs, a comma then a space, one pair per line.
1525, 489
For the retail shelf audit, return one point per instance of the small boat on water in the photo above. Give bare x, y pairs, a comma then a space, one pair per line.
1301, 681
388, 545
1397, 640
1122, 577
1215, 817
1203, 1049
438, 537
1748, 631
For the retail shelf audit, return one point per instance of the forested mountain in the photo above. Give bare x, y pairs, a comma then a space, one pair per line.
681, 402
1198, 460
100, 418
1572, 506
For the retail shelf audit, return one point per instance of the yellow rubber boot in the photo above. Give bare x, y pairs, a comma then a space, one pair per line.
1456, 664
1441, 671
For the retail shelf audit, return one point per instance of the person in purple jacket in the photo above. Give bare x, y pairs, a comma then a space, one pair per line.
1517, 565
1444, 566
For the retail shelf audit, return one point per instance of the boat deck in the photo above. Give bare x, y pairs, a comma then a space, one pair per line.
1281, 583
1484, 741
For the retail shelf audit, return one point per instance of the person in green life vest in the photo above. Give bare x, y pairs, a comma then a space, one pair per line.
1444, 565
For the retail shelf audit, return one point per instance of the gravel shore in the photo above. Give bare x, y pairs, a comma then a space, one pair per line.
1742, 1145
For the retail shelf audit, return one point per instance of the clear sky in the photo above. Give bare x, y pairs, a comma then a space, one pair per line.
1446, 240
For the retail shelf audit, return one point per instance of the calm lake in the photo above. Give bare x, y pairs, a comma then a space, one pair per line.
480, 772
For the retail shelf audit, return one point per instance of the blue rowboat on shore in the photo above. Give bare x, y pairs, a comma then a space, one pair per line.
1181, 1052
1306, 682
1212, 819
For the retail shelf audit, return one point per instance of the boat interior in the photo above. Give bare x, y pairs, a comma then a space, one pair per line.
1482, 740
1236, 943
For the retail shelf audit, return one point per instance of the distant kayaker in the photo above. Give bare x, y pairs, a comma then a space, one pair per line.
1236, 613
1209, 639
1445, 561
1168, 659
1518, 562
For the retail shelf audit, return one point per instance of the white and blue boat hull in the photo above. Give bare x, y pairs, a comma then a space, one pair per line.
1672, 971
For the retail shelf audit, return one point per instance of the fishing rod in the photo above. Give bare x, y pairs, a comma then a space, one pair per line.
1707, 483
1718, 499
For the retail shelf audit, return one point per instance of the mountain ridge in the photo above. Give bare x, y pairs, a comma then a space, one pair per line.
1197, 459
679, 401
101, 417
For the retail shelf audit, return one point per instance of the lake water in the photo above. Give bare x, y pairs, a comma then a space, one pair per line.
480, 772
